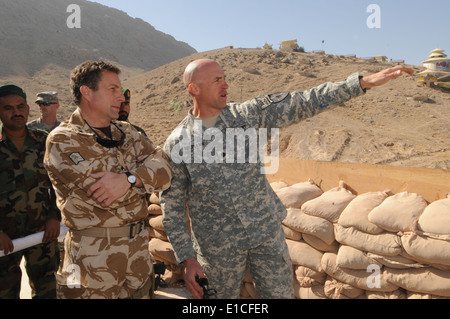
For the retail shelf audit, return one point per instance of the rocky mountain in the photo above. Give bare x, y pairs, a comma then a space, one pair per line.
35, 34
402, 123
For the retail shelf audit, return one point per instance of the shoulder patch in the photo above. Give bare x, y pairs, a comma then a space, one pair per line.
76, 158
278, 97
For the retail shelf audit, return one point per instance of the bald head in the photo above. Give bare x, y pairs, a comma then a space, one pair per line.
194, 68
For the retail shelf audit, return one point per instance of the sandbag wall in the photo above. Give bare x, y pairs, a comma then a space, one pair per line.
375, 245
159, 245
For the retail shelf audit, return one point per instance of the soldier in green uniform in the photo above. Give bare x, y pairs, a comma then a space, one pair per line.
48, 103
27, 201
235, 215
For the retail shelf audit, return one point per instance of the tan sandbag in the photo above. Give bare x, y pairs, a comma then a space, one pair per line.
427, 249
424, 280
278, 185
314, 292
397, 294
154, 198
386, 244
397, 262
417, 295
155, 233
352, 258
294, 196
399, 212
304, 255
357, 211
335, 289
308, 277
154, 209
247, 275
291, 234
156, 221
319, 244
362, 279
330, 204
250, 290
162, 251
435, 220
308, 224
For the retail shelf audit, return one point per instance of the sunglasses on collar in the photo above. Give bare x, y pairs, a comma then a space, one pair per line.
109, 142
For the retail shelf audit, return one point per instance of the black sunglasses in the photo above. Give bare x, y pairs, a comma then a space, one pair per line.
109, 142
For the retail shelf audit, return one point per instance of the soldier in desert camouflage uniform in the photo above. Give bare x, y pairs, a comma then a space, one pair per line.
27, 201
102, 170
234, 213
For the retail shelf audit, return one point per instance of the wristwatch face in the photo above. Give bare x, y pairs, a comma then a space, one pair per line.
132, 179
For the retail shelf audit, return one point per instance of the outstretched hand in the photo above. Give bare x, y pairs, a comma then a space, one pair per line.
384, 76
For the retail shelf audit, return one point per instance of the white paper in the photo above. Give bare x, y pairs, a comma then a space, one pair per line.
32, 240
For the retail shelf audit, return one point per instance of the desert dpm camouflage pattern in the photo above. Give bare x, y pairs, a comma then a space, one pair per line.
27, 201
232, 206
120, 264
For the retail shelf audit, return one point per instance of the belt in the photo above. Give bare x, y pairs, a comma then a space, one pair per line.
130, 230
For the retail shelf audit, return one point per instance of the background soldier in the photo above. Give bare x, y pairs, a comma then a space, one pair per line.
125, 108
27, 201
235, 215
102, 170
48, 105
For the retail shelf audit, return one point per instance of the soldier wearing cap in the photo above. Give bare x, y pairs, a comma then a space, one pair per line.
27, 201
48, 105
124, 112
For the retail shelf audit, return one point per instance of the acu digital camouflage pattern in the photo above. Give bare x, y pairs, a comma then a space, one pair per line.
105, 264
232, 205
40, 125
27, 200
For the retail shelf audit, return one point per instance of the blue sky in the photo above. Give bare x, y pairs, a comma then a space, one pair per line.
408, 29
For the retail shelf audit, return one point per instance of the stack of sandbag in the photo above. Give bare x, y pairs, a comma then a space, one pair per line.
375, 245
309, 231
427, 243
159, 245
392, 247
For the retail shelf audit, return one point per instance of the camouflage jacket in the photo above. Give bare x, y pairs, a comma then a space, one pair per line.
233, 204
40, 125
73, 154
27, 199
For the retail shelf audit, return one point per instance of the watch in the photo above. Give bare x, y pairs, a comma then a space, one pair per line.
131, 178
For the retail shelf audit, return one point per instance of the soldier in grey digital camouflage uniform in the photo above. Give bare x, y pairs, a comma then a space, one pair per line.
102, 170
48, 103
235, 215
27, 201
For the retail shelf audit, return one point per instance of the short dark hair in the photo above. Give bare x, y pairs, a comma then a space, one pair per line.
88, 73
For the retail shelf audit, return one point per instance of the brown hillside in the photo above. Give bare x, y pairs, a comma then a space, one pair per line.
400, 123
